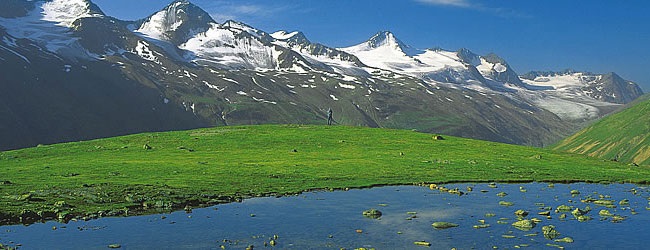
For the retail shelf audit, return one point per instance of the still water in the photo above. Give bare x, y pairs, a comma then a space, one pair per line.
334, 220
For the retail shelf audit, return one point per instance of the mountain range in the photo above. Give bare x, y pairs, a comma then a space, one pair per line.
70, 72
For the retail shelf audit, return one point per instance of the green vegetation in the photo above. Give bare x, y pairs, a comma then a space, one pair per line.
624, 136
156, 172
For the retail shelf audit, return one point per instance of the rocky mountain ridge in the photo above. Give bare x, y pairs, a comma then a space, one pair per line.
178, 69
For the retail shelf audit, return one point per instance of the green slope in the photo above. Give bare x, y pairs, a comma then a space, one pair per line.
624, 136
164, 171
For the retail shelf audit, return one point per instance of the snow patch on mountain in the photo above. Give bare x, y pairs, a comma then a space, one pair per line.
163, 21
49, 26
561, 81
224, 47
65, 12
283, 35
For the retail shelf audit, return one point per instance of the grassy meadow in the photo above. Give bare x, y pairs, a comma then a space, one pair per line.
158, 172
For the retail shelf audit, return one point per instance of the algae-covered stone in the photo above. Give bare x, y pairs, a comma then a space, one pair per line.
481, 226
578, 212
583, 218
521, 213
565, 240
563, 208
605, 213
545, 213
550, 232
617, 218
443, 225
524, 225
604, 202
624, 202
422, 243
372, 213
575, 192
506, 203
492, 185
114, 246
502, 194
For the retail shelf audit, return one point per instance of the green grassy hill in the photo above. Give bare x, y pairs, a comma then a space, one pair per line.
155, 172
624, 136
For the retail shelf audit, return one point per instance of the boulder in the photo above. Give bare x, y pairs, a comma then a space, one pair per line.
443, 225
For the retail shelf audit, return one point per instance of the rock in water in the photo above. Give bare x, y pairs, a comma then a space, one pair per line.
524, 225
372, 213
550, 232
443, 225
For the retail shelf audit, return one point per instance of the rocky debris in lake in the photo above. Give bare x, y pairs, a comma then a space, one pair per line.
522, 189
114, 246
521, 213
506, 203
443, 225
583, 218
550, 232
502, 194
545, 213
624, 202
563, 208
605, 213
565, 240
575, 192
578, 212
422, 243
481, 226
372, 213
618, 218
492, 185
443, 189
524, 225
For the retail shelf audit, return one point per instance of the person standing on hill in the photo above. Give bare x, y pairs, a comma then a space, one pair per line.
329, 117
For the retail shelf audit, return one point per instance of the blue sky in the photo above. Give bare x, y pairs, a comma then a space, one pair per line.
598, 36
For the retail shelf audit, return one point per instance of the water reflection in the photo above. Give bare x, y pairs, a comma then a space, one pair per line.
333, 220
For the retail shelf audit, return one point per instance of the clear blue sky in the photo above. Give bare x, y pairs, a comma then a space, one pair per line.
598, 36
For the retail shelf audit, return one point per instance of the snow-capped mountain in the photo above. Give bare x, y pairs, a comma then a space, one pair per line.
69, 72
608, 87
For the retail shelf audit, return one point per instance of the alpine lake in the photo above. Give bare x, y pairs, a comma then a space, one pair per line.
452, 216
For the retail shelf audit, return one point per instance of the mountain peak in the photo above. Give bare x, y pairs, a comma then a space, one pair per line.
176, 22
65, 12
384, 38
388, 39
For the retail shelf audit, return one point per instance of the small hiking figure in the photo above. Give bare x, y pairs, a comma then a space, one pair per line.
329, 117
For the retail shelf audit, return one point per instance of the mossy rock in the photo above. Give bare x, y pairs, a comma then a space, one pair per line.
506, 203
372, 213
565, 240
605, 213
521, 213
583, 218
502, 194
422, 243
443, 225
524, 225
550, 232
563, 208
